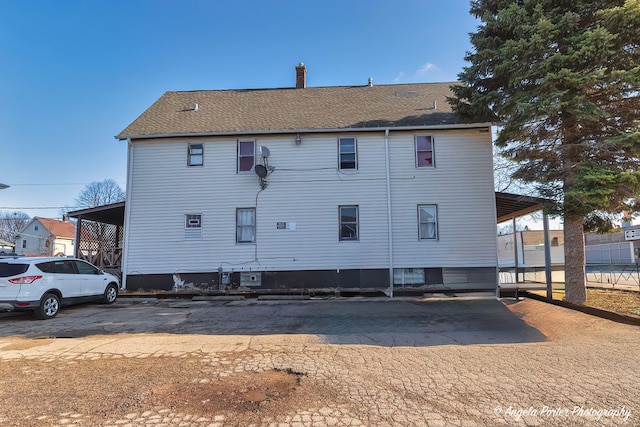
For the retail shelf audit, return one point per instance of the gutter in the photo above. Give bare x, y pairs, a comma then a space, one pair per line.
307, 131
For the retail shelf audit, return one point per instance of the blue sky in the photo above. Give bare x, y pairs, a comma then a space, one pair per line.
76, 72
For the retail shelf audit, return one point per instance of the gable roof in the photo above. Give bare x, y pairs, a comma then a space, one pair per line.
246, 111
63, 229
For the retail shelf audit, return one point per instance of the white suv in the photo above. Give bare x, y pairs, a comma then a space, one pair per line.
42, 285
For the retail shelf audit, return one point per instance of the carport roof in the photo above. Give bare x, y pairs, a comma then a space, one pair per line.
108, 214
508, 206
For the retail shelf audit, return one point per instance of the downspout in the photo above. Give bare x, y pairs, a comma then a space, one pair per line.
127, 215
390, 223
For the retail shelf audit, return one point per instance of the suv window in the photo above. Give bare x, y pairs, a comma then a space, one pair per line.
84, 268
60, 267
8, 270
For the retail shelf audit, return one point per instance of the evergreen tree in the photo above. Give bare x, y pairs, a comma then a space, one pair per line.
562, 79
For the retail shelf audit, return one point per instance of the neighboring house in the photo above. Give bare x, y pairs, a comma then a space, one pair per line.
5, 247
46, 237
309, 187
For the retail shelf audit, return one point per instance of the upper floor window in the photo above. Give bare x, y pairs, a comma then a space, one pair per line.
348, 222
196, 155
35, 227
246, 155
428, 222
424, 151
246, 225
348, 153
193, 226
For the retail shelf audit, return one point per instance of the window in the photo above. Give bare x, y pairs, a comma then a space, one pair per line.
193, 226
24, 244
246, 225
35, 227
428, 222
246, 155
347, 152
424, 151
348, 222
196, 155
84, 268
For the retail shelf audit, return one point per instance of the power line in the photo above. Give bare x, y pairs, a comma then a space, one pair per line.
39, 207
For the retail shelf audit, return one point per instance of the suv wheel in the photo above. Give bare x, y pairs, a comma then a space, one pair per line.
110, 294
49, 307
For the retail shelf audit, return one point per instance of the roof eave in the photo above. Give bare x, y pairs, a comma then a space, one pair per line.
122, 137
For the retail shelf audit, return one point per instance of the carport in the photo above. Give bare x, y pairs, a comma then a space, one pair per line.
511, 207
100, 236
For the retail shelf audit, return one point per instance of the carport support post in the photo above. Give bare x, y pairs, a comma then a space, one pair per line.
547, 256
515, 249
76, 249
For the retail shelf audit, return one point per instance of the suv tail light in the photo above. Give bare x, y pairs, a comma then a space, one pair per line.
24, 280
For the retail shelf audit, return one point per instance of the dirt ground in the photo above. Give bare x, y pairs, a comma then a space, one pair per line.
92, 388
95, 388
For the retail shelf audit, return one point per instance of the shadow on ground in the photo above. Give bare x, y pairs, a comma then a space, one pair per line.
381, 322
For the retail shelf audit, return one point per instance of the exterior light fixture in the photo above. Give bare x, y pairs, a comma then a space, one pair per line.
298, 139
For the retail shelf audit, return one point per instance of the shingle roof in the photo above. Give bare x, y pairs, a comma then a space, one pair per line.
64, 229
289, 109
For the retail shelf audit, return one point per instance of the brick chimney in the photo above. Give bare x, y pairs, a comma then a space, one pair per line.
301, 76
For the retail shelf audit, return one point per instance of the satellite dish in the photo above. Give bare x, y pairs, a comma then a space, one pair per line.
261, 171
264, 151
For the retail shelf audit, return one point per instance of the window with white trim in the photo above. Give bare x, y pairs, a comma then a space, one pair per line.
245, 225
195, 155
424, 151
427, 222
246, 155
347, 151
193, 226
348, 222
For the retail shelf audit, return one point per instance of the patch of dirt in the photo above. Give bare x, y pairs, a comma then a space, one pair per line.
240, 393
559, 323
626, 303
112, 388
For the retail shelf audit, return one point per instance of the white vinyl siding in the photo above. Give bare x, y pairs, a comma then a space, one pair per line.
306, 189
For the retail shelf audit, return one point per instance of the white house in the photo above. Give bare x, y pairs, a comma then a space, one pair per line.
46, 237
309, 187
